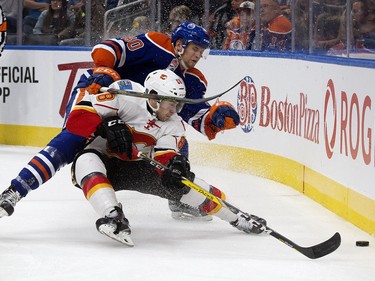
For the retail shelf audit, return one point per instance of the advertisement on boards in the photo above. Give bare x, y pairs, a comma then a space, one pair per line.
316, 114
320, 115
36, 85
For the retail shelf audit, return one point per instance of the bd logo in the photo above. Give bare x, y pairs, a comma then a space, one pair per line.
3, 30
247, 104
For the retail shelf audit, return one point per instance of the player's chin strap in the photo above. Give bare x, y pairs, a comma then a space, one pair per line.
180, 59
152, 107
179, 55
313, 252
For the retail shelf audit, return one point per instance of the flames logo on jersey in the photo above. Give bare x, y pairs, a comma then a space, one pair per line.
247, 104
3, 30
142, 139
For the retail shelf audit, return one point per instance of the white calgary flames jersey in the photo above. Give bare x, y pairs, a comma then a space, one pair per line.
149, 133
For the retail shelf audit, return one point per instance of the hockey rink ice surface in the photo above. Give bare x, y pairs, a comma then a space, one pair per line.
52, 236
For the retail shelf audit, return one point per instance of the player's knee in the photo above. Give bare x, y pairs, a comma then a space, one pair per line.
67, 145
87, 162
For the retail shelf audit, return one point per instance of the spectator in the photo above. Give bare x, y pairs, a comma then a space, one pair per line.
196, 7
276, 28
302, 25
141, 25
75, 5
55, 20
239, 28
302, 18
362, 33
219, 19
326, 31
10, 10
334, 7
285, 7
77, 29
33, 9
178, 15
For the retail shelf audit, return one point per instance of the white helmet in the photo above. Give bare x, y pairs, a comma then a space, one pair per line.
166, 83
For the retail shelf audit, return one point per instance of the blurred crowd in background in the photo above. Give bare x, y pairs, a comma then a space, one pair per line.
329, 27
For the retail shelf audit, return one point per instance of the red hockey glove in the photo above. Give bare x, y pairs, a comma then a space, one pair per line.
101, 77
221, 116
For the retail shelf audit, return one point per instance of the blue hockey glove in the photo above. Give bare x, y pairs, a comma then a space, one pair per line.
221, 116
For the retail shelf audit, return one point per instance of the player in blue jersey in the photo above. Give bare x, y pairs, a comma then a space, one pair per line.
128, 58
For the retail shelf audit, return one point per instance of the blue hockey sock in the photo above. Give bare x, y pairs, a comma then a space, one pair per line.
59, 152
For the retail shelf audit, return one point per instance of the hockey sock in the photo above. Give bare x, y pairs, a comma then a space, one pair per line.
205, 205
100, 193
43, 166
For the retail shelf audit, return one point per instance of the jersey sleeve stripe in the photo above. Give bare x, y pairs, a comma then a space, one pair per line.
116, 47
103, 55
161, 41
195, 72
85, 108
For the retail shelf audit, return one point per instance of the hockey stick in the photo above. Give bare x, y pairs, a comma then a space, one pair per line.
313, 252
161, 97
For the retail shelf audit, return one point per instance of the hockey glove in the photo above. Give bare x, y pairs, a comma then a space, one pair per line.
118, 135
221, 116
101, 77
178, 166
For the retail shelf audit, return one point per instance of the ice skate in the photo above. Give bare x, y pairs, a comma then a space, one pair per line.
115, 226
250, 224
181, 211
8, 200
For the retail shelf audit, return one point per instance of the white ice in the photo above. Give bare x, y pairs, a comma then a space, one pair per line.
52, 235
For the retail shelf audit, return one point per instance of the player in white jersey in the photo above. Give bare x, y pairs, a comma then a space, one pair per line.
109, 162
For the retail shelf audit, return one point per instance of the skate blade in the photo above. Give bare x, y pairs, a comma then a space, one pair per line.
187, 217
3, 213
123, 237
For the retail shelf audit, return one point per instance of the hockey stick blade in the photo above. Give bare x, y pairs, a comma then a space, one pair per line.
313, 252
161, 97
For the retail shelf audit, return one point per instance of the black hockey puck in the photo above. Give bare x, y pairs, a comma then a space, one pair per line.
362, 243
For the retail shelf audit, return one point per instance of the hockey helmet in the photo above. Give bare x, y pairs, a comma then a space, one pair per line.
190, 32
166, 83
